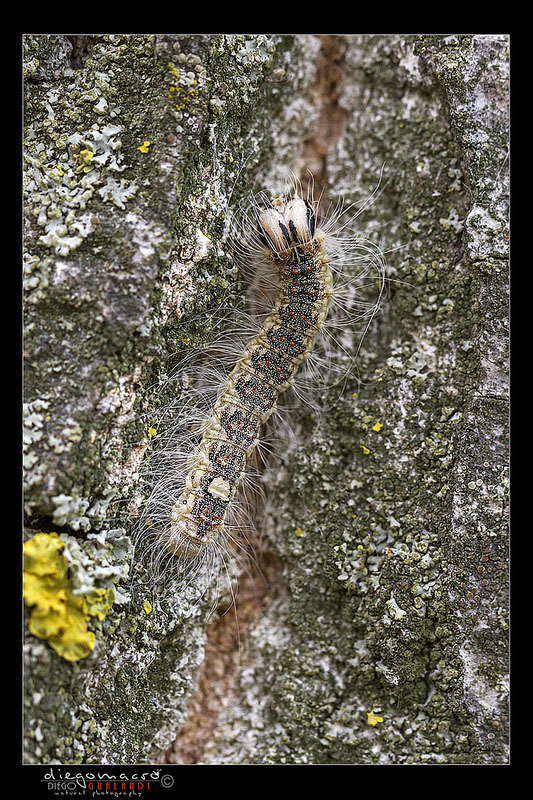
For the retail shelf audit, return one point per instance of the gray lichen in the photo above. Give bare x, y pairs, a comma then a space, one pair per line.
385, 638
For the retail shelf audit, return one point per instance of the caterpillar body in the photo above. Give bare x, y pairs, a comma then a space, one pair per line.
265, 370
192, 508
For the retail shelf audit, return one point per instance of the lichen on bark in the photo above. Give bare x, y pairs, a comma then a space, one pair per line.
383, 635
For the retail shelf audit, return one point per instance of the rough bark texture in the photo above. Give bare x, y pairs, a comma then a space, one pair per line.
377, 631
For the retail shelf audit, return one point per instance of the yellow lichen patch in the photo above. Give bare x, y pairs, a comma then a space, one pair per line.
59, 615
98, 602
372, 718
147, 606
85, 157
181, 91
144, 147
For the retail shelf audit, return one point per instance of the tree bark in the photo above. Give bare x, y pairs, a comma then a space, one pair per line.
377, 630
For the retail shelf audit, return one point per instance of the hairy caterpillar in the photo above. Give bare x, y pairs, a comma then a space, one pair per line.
198, 499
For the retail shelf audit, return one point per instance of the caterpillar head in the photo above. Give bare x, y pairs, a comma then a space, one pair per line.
288, 224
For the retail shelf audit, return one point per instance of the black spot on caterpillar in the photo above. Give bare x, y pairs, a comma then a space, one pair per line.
303, 303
